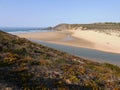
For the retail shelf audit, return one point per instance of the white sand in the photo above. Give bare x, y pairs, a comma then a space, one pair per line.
102, 41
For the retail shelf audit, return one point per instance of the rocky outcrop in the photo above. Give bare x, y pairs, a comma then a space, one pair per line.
47, 28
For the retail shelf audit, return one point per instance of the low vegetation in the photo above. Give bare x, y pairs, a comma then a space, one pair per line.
107, 28
94, 26
25, 65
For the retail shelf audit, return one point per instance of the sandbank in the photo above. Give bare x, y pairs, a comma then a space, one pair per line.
79, 38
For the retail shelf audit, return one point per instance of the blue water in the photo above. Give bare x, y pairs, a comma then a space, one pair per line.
19, 30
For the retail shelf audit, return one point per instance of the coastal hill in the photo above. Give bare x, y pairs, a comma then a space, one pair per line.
25, 65
100, 26
68, 27
107, 28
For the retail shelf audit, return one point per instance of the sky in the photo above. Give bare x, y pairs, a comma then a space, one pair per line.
42, 13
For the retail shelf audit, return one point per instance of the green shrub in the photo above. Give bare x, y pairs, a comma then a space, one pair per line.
112, 67
21, 51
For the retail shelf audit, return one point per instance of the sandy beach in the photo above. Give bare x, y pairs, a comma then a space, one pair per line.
78, 38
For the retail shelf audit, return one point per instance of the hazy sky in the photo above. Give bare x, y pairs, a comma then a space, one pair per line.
51, 12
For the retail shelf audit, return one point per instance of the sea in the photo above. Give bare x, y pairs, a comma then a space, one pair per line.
21, 30
91, 54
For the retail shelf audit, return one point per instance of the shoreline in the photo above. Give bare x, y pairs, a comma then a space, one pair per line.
81, 47
86, 53
84, 39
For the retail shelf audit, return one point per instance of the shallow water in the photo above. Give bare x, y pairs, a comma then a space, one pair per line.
85, 53
68, 38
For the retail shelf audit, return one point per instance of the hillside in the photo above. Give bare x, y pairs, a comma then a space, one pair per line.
108, 28
94, 26
25, 65
69, 27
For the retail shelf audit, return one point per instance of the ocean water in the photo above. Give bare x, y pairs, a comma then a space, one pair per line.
20, 30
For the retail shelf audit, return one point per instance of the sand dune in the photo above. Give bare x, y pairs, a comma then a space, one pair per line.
102, 41
86, 38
